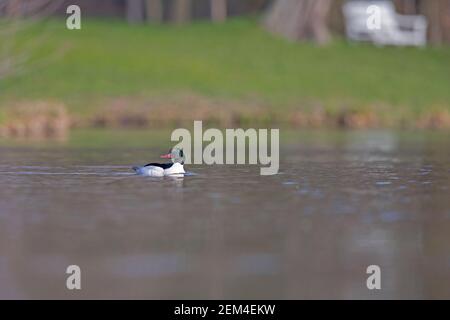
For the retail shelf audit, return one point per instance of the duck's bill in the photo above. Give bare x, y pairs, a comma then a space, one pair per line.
166, 156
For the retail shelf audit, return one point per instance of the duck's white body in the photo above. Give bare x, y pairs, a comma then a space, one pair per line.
156, 170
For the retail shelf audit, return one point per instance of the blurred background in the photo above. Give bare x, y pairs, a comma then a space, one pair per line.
149, 64
359, 90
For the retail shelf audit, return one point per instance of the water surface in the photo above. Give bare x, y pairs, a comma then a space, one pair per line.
339, 204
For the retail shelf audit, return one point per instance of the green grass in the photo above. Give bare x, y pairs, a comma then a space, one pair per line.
237, 61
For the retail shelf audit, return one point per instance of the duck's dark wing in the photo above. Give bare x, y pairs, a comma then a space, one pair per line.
161, 165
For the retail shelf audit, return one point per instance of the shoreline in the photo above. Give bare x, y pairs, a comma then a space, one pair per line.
53, 119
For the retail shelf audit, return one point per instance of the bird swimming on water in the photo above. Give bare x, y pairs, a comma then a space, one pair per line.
164, 169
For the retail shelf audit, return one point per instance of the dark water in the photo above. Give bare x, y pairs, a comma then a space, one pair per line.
337, 206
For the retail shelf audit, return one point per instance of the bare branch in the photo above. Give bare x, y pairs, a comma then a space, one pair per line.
17, 16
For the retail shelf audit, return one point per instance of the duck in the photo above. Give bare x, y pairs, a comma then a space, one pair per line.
176, 167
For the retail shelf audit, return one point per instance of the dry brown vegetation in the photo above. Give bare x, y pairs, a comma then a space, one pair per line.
46, 119
35, 119
434, 119
182, 110
157, 113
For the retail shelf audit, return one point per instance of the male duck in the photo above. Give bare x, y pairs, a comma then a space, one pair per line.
164, 169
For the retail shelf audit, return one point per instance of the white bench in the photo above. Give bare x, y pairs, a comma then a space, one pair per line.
393, 29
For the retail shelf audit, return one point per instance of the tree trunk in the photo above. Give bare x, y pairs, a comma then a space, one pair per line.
436, 27
218, 10
135, 11
410, 7
446, 21
437, 13
406, 6
181, 11
13, 8
300, 19
154, 10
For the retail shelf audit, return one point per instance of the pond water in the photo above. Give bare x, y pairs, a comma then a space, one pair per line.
340, 203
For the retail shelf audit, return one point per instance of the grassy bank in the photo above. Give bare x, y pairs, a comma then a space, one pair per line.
113, 74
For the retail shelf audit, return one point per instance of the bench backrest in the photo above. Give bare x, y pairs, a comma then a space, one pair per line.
356, 14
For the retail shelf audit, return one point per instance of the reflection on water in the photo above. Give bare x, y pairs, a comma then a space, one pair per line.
337, 206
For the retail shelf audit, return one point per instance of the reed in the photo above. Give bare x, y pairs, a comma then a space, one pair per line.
35, 120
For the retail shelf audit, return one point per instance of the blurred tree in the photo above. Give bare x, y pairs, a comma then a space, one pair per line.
407, 6
20, 16
12, 8
218, 10
300, 19
335, 19
255, 5
437, 13
181, 11
154, 10
135, 11
438, 16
